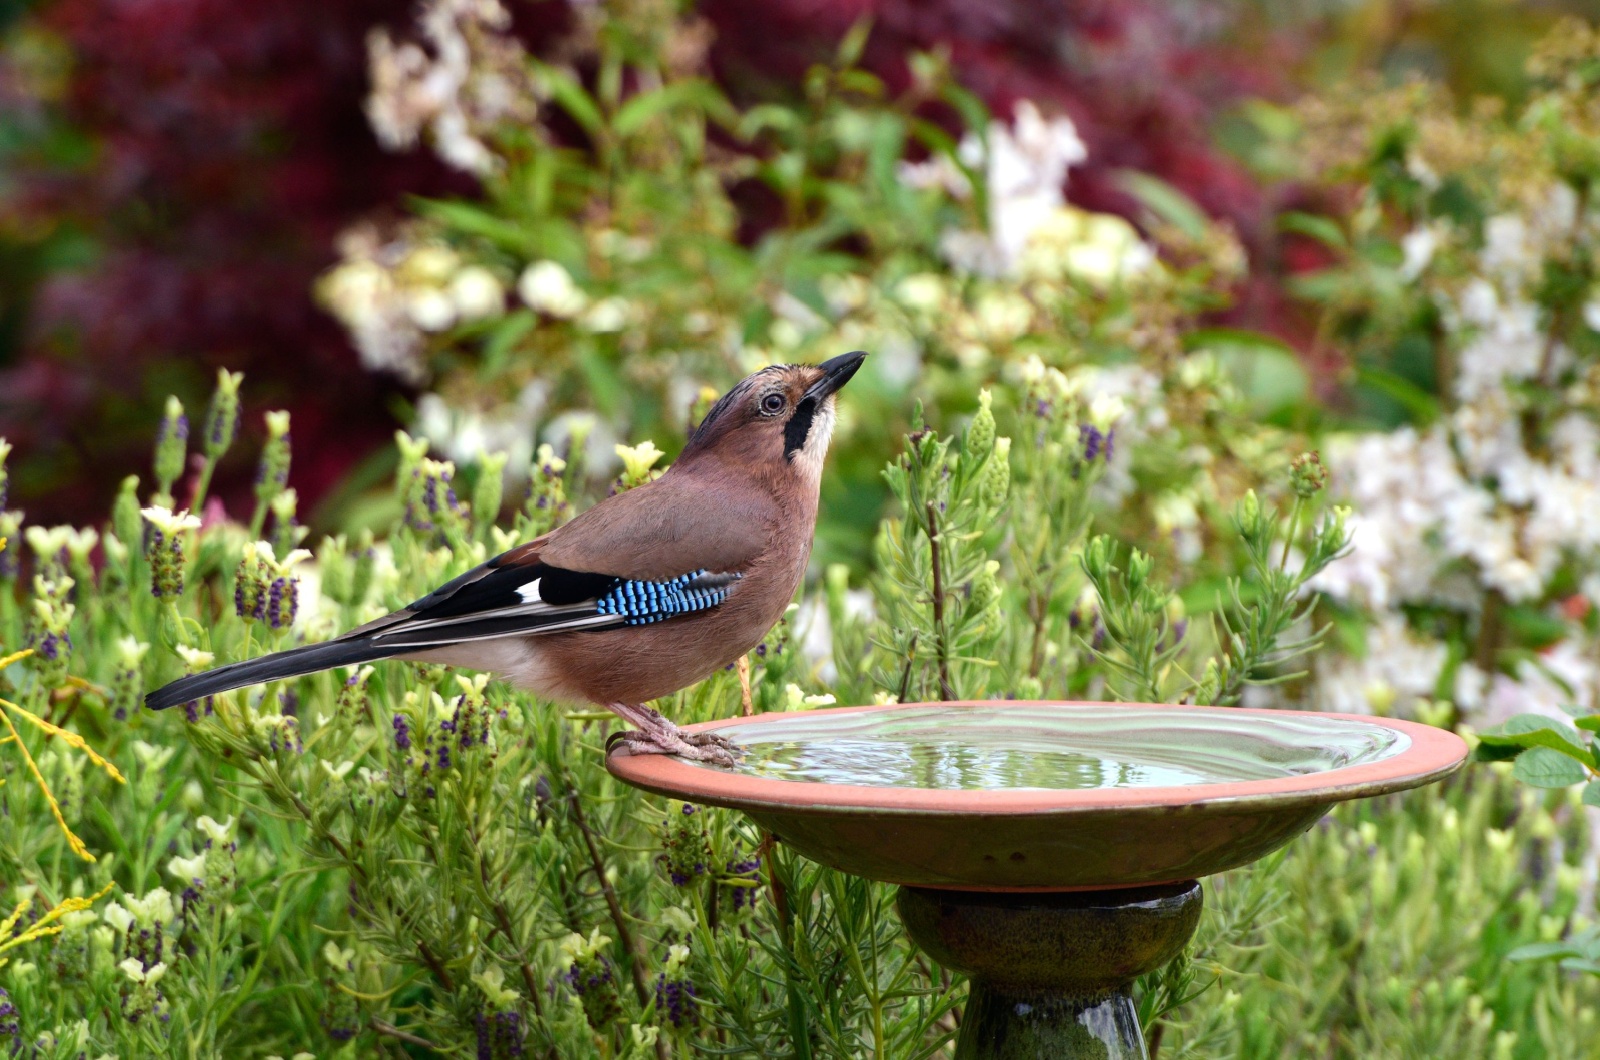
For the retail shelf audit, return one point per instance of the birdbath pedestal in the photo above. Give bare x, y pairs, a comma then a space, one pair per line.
1049, 851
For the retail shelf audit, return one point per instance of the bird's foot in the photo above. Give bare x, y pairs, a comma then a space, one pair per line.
697, 747
654, 734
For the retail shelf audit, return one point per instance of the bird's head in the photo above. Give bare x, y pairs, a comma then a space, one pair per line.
778, 420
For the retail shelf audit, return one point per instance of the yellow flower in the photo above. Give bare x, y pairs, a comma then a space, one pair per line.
637, 460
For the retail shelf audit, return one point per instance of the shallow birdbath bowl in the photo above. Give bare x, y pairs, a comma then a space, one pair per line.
1050, 851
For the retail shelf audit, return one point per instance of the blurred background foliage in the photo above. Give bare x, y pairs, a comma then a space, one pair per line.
174, 176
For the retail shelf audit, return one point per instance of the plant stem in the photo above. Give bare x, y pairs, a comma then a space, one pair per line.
1487, 646
1038, 612
941, 649
429, 958
502, 918
799, 1033
202, 484
1294, 527
613, 905
257, 519
905, 675
389, 1030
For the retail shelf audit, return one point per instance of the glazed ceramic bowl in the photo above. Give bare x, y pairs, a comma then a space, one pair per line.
1002, 795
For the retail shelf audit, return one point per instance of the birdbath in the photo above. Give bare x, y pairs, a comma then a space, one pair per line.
1050, 851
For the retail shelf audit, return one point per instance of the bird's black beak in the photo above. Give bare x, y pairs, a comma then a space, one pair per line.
836, 372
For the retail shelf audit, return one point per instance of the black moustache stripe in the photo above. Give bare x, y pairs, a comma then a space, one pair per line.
798, 428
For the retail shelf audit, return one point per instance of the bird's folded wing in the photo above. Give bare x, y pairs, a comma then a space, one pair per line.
518, 594
688, 520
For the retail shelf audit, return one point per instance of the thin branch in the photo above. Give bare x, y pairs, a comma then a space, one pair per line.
618, 919
941, 649
389, 1030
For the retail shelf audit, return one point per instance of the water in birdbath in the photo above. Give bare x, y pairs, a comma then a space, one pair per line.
1054, 747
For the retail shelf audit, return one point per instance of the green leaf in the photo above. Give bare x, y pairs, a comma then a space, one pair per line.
1494, 752
1422, 406
1542, 951
510, 331
1166, 202
766, 116
1534, 628
1543, 767
572, 98
1591, 793
1266, 371
1536, 730
861, 81
974, 114
1323, 229
1588, 723
474, 220
854, 42
1275, 122
701, 95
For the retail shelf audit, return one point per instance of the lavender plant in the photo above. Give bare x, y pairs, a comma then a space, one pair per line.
402, 858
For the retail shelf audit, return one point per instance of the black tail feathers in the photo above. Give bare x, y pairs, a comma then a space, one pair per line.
295, 662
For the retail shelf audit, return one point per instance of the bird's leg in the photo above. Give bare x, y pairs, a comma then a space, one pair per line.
654, 734
744, 686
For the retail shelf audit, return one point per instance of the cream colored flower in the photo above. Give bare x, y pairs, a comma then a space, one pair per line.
429, 308
169, 522
193, 658
218, 833
637, 460
477, 293
548, 288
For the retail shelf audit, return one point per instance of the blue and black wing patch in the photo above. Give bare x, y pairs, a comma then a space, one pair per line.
525, 599
639, 603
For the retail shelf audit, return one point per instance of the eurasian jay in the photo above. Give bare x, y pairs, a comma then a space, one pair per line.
644, 594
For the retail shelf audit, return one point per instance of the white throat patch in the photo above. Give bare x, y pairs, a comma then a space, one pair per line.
809, 458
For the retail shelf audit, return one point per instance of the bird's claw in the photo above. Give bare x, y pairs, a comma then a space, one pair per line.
655, 735
695, 746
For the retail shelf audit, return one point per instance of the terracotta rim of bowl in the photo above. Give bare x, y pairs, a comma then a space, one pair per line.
1433, 754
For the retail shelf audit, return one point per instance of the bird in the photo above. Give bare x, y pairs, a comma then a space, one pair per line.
643, 594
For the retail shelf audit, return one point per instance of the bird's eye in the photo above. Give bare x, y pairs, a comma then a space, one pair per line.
772, 404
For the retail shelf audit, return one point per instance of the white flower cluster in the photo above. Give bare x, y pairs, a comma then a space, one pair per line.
390, 293
1400, 669
476, 77
1476, 504
1032, 233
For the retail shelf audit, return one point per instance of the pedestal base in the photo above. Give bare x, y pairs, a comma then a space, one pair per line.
1050, 972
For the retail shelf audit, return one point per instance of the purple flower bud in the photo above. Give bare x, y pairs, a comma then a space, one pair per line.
1092, 441
676, 1001
10, 1025
500, 1036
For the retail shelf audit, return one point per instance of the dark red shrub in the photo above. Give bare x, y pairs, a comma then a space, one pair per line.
229, 149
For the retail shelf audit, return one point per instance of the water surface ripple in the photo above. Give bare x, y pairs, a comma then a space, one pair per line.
1011, 746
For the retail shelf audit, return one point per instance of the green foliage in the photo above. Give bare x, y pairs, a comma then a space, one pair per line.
1143, 643
398, 857
1395, 930
940, 600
